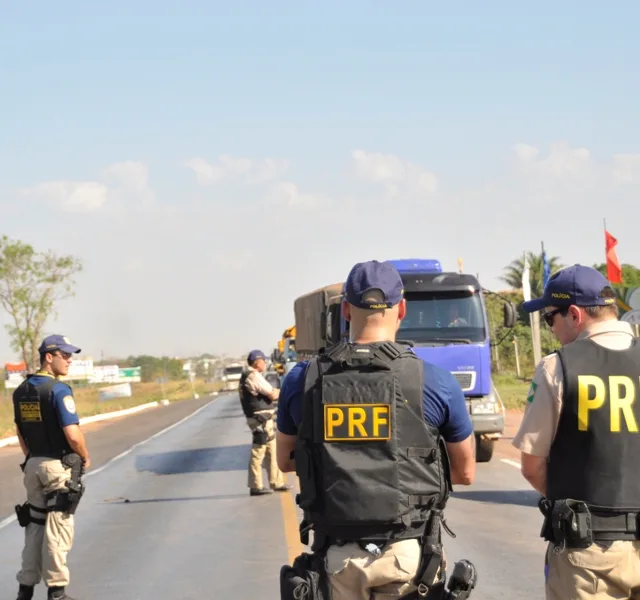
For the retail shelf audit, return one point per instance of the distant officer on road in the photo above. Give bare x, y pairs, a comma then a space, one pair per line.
48, 430
258, 398
580, 443
369, 421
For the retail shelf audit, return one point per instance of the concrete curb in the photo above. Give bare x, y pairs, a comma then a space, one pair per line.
101, 417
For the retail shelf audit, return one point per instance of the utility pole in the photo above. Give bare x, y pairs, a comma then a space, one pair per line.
515, 346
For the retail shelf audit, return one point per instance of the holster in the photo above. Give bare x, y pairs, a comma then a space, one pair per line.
306, 579
567, 523
67, 500
23, 512
259, 436
430, 575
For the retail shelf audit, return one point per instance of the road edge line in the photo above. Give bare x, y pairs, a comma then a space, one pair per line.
13, 518
291, 529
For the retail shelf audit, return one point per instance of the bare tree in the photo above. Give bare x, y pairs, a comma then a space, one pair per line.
31, 283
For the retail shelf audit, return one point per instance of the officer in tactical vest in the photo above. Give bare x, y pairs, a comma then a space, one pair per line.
258, 398
580, 443
366, 427
48, 430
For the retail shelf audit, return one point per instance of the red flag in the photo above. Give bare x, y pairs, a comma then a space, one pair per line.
614, 270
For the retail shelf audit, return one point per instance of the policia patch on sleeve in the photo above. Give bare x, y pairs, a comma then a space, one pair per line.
357, 422
30, 412
69, 404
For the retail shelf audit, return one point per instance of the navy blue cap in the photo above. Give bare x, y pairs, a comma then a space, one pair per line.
57, 342
374, 275
577, 285
255, 355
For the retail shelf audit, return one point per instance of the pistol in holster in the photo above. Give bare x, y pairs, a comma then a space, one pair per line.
67, 500
567, 523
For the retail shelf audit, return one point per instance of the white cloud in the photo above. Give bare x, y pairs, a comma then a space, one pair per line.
525, 152
626, 168
237, 168
127, 182
131, 174
71, 196
396, 173
288, 193
562, 159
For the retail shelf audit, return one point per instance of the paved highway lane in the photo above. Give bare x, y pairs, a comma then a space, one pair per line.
172, 519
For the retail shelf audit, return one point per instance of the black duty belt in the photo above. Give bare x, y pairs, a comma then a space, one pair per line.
614, 525
576, 524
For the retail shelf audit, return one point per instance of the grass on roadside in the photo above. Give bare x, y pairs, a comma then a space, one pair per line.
88, 400
513, 391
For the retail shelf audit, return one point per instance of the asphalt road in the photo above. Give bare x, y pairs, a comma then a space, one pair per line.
172, 519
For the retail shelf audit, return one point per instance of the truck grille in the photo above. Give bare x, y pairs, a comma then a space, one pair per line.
466, 379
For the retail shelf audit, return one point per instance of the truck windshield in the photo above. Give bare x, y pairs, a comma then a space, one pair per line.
233, 370
441, 316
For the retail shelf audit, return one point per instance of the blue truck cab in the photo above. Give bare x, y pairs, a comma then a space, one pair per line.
446, 323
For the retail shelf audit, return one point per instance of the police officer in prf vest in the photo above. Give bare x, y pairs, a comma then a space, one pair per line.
366, 426
580, 440
56, 454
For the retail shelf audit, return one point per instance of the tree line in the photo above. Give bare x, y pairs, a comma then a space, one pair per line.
32, 283
504, 355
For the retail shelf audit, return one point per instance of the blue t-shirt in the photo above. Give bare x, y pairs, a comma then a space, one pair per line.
62, 400
443, 405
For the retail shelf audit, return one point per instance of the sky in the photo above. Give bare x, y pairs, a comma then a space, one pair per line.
210, 162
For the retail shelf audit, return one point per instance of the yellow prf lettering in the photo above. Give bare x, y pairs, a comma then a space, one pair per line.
357, 417
357, 422
586, 401
621, 403
335, 418
380, 414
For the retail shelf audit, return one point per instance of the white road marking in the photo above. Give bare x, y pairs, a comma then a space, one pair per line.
513, 463
13, 518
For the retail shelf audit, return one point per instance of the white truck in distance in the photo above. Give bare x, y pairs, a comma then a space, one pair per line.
231, 376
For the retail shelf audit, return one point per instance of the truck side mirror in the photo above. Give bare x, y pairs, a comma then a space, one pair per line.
509, 313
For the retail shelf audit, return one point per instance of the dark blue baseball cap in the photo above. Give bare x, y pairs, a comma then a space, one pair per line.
255, 355
576, 285
374, 275
57, 342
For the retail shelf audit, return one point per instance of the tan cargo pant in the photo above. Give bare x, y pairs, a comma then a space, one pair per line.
46, 547
259, 453
595, 573
356, 574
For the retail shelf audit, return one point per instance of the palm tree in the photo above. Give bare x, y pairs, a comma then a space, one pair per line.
513, 275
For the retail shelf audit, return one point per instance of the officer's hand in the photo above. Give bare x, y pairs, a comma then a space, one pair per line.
87, 464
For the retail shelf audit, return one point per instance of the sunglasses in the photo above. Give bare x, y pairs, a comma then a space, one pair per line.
549, 316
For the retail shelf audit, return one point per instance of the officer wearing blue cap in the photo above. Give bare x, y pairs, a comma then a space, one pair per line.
48, 429
258, 398
579, 440
364, 426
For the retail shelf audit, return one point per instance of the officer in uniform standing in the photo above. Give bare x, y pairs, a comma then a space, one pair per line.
580, 444
257, 397
365, 427
49, 433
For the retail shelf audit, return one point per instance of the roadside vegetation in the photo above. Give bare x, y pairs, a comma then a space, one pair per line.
88, 401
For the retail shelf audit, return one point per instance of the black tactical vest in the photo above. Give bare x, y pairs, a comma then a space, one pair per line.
594, 457
370, 467
37, 419
250, 403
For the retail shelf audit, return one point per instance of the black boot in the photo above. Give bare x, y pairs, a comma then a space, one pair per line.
25, 592
57, 593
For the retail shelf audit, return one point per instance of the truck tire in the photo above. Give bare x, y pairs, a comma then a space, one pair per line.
484, 449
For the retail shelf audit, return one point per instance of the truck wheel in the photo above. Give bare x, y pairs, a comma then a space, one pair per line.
484, 449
